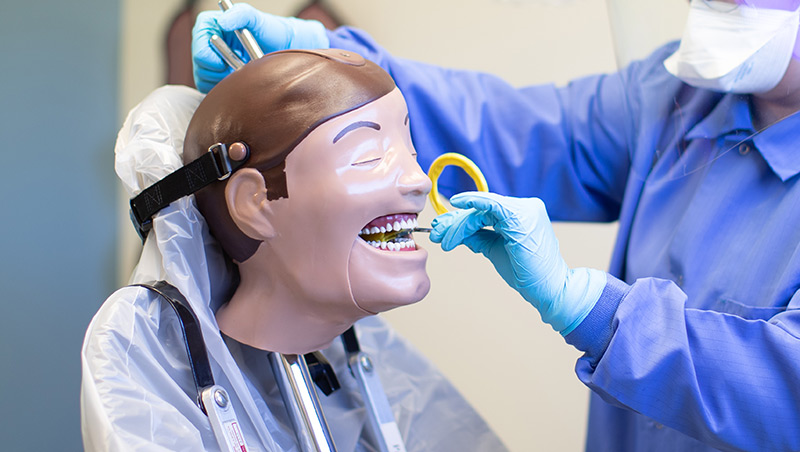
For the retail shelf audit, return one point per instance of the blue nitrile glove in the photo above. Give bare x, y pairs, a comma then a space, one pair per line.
524, 250
271, 32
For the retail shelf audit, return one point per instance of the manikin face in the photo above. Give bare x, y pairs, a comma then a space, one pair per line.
354, 172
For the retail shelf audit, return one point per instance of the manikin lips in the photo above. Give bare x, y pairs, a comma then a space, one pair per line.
391, 232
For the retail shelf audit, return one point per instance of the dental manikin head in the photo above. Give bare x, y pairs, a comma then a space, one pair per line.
331, 156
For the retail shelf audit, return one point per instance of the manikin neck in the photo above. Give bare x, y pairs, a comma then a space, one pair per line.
266, 314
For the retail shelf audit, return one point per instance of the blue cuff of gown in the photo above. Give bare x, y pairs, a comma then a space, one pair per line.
594, 333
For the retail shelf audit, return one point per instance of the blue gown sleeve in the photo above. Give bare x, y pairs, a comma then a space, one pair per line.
565, 145
728, 381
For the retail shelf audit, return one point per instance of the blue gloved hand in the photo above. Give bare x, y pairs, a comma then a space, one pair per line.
272, 33
524, 250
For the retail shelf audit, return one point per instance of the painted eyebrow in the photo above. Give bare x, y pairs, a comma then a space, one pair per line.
354, 126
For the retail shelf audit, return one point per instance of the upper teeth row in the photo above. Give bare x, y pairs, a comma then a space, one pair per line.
396, 226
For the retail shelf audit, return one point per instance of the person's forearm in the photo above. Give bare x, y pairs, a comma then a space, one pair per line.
722, 379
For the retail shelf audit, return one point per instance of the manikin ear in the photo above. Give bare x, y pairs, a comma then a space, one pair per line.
246, 196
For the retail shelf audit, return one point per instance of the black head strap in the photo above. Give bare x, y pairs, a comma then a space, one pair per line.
215, 165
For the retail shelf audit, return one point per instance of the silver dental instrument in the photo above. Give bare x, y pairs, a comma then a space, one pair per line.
428, 230
245, 37
226, 53
300, 397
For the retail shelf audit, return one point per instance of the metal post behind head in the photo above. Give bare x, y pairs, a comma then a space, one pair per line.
300, 397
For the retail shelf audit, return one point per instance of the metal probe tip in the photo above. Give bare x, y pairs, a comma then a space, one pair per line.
428, 230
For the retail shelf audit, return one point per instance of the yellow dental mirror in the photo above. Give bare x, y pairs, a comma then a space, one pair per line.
454, 159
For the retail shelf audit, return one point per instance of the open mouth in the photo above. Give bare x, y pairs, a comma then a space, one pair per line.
391, 232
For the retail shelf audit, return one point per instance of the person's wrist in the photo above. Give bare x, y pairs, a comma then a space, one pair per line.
582, 289
594, 333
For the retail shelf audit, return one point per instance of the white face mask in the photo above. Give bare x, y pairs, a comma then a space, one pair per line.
735, 49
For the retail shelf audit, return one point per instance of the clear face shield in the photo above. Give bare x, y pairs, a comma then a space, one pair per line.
730, 53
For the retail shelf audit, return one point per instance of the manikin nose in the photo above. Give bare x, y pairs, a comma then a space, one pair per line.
412, 180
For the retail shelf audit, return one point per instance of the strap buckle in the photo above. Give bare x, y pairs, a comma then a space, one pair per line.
142, 226
222, 161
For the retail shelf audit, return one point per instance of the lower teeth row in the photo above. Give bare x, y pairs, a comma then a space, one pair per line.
394, 246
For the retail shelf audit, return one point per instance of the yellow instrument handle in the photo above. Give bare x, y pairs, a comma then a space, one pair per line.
438, 165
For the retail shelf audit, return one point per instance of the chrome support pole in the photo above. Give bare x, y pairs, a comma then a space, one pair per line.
300, 397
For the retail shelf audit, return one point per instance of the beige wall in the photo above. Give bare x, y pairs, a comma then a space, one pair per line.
514, 369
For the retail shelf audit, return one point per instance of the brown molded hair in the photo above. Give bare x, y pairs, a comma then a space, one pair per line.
272, 104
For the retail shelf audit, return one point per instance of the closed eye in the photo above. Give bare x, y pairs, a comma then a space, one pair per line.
364, 162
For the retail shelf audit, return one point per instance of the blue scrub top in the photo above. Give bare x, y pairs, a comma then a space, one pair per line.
694, 342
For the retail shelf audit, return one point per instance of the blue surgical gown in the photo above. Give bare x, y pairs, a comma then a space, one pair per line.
693, 344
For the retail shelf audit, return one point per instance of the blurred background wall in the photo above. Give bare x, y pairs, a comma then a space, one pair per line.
72, 70
59, 104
